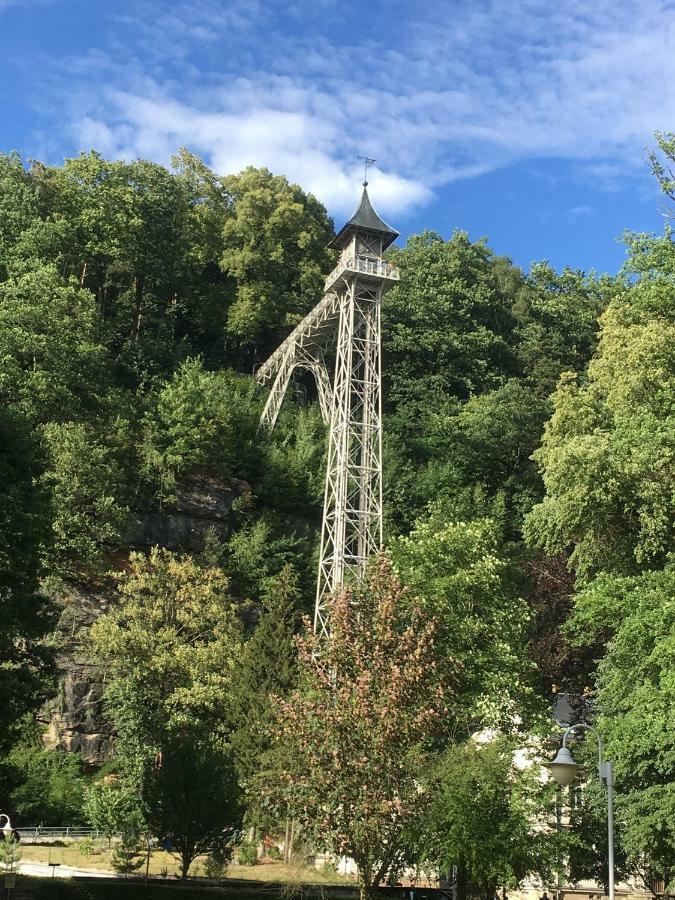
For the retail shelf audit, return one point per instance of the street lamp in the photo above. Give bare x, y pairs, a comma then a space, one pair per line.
564, 770
6, 829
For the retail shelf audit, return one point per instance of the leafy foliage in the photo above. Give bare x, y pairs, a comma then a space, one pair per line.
606, 452
274, 247
636, 698
171, 643
201, 420
488, 819
50, 784
459, 573
26, 670
355, 737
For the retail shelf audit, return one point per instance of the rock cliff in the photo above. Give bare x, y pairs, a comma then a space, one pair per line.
75, 718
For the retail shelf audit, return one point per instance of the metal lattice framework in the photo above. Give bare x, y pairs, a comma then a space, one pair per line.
348, 317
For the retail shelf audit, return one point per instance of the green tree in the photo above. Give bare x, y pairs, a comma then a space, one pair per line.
662, 161
10, 855
635, 702
355, 737
171, 644
26, 674
489, 818
607, 450
558, 322
462, 578
112, 806
86, 487
274, 247
201, 420
51, 359
51, 787
267, 670
193, 798
18, 204
451, 309
127, 857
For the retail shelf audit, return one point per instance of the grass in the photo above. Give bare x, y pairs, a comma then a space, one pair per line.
266, 871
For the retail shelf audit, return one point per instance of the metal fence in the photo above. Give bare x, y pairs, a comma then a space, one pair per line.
34, 833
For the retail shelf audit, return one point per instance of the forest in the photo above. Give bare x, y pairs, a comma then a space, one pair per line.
155, 542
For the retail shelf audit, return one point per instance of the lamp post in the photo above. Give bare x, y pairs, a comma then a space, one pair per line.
564, 770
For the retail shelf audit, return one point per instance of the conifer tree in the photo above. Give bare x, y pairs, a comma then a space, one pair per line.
268, 669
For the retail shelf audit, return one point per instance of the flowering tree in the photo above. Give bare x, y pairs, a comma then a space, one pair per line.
352, 744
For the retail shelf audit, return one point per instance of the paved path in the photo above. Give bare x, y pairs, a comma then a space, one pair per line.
43, 870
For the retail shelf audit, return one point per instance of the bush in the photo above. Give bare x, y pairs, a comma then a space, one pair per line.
89, 847
248, 853
274, 852
216, 863
127, 857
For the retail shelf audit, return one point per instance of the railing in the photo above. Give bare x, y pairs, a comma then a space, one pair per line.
34, 832
378, 267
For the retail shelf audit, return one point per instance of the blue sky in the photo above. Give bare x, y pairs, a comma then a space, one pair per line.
520, 120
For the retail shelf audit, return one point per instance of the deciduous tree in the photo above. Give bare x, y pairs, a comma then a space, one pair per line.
356, 737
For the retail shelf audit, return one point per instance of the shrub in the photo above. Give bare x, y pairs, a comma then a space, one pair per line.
127, 857
216, 862
248, 853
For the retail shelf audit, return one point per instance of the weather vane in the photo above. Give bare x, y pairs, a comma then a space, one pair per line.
367, 161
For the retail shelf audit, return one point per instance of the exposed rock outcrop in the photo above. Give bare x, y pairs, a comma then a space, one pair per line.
75, 718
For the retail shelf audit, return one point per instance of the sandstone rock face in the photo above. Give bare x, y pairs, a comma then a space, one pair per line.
75, 719
201, 503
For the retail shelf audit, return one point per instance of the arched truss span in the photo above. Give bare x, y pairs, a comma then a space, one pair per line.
279, 387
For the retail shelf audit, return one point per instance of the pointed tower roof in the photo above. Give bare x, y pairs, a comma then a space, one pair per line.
365, 218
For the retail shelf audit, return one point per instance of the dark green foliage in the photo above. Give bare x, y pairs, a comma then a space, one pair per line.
274, 247
451, 310
203, 421
267, 671
489, 819
26, 671
558, 323
51, 360
127, 856
193, 798
49, 785
473, 348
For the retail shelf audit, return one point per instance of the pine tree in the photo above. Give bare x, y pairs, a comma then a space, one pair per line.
268, 669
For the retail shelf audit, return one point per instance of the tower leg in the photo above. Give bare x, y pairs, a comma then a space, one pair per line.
352, 518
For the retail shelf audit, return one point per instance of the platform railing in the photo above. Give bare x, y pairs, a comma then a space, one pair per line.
378, 267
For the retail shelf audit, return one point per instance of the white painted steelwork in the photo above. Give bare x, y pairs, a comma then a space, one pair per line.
350, 315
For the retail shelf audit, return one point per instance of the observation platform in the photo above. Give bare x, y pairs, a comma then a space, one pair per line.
377, 269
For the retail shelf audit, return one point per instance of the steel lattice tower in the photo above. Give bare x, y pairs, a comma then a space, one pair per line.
351, 403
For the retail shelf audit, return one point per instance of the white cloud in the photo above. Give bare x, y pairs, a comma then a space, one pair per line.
451, 93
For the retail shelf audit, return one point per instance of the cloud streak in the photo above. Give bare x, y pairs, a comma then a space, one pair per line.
304, 88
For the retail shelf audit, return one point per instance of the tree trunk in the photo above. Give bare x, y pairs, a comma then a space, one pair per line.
291, 838
83, 274
138, 306
287, 841
102, 293
461, 881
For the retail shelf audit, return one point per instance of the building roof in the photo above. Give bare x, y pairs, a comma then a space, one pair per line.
367, 219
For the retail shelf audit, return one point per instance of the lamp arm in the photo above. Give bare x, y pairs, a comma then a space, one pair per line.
585, 727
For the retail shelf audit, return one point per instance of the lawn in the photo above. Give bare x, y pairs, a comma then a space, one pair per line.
162, 862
